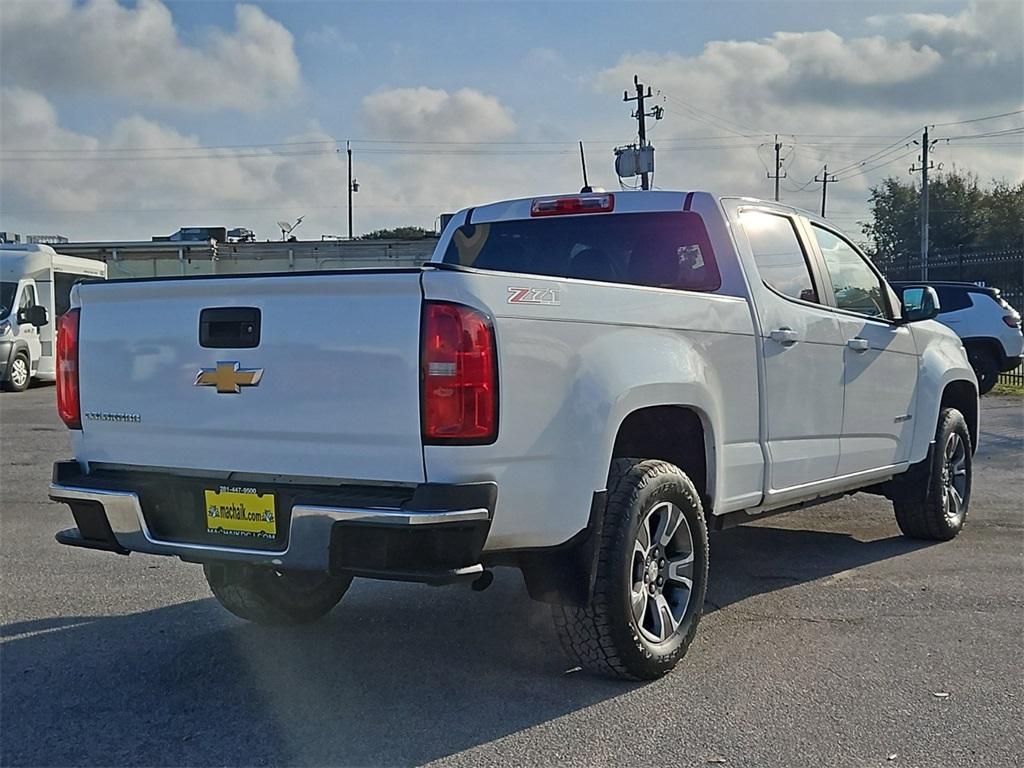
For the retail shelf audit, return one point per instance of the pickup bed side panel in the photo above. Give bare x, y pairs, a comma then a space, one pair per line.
570, 373
338, 397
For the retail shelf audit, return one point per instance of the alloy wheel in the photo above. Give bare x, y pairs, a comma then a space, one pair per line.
662, 572
954, 478
19, 372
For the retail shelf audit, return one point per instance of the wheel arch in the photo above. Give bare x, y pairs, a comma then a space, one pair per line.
963, 395
680, 434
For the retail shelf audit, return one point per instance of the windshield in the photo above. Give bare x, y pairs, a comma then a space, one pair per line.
7, 291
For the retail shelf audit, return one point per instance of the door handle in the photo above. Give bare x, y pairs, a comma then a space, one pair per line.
859, 345
787, 337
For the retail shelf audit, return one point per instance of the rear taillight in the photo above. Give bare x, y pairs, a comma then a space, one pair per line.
460, 382
1012, 320
68, 404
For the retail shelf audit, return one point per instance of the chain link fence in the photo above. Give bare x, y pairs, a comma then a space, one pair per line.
1001, 268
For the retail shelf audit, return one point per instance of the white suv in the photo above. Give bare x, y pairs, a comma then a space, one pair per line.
987, 324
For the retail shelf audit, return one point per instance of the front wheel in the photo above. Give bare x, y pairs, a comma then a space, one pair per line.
937, 509
20, 375
651, 576
268, 596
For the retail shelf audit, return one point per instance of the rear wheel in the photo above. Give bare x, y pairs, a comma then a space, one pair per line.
937, 509
651, 576
986, 368
268, 596
19, 376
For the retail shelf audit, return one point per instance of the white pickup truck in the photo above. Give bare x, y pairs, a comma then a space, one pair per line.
580, 386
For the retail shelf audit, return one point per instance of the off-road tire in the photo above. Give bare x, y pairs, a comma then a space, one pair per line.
986, 367
16, 383
267, 596
604, 637
921, 511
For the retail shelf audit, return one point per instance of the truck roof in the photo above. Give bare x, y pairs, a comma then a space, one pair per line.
631, 201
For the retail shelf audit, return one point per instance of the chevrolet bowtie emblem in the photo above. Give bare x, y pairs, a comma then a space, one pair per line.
228, 378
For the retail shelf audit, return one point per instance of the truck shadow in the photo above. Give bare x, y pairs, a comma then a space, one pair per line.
398, 674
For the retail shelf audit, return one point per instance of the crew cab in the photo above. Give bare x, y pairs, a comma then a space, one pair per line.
581, 386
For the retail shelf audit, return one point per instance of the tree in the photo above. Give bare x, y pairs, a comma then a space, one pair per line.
893, 228
963, 216
398, 233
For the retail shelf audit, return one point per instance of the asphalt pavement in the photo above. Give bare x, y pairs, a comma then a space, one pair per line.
827, 640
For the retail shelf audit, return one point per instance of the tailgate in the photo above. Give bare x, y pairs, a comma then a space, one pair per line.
338, 396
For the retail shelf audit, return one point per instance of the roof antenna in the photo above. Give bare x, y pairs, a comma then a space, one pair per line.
583, 163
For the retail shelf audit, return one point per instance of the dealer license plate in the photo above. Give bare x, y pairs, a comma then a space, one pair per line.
241, 511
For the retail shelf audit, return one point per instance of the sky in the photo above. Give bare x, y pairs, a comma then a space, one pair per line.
124, 120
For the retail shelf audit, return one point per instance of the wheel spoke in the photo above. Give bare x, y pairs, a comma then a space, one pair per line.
680, 570
956, 501
638, 602
670, 517
952, 445
643, 538
666, 622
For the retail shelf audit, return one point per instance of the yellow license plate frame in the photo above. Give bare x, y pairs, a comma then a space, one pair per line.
241, 511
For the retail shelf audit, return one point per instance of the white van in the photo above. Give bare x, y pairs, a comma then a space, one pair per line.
35, 289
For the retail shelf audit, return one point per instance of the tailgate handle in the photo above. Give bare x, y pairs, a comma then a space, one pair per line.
229, 327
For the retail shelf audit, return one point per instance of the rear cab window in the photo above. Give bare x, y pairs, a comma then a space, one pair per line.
660, 250
780, 258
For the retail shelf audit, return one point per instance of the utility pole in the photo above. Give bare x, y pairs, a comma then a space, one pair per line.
825, 180
641, 119
779, 173
348, 148
926, 165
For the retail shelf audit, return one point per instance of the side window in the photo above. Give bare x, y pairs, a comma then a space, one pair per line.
952, 299
779, 256
28, 297
856, 286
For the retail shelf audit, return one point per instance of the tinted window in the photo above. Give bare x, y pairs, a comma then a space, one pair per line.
857, 288
62, 282
7, 291
665, 250
779, 256
952, 299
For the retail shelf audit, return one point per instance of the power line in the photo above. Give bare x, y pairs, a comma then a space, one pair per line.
979, 119
723, 122
1004, 132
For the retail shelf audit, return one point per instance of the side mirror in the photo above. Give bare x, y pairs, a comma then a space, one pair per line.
920, 303
34, 315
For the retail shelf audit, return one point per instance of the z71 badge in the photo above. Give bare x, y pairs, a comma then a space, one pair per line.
546, 296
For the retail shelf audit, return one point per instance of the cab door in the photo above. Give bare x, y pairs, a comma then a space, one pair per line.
880, 359
26, 331
803, 353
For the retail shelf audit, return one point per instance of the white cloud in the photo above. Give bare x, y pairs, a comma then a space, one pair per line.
127, 184
431, 114
329, 36
853, 91
984, 31
104, 48
842, 97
